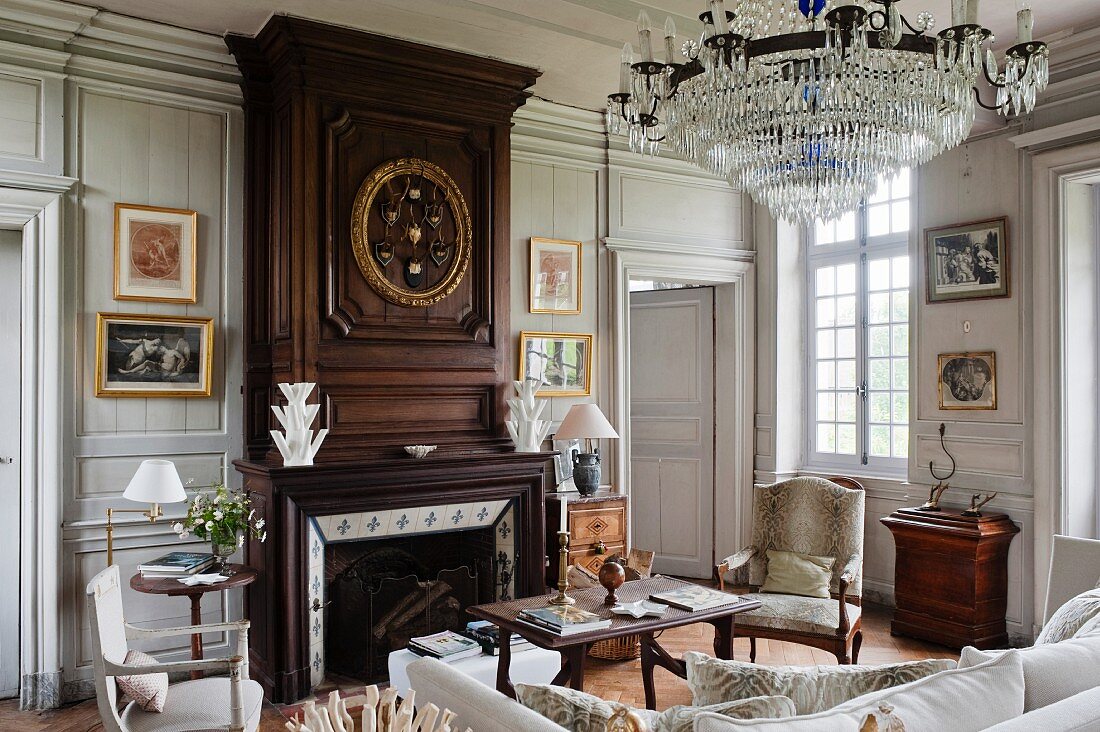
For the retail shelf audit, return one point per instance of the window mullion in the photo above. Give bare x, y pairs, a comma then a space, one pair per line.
863, 426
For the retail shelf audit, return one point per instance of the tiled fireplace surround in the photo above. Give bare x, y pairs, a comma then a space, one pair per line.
420, 521
308, 508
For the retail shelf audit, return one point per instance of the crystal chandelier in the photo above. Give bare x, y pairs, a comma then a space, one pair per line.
805, 104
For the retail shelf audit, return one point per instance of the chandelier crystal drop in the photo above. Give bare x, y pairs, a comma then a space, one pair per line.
806, 104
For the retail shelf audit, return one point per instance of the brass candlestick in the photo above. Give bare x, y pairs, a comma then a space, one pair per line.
563, 571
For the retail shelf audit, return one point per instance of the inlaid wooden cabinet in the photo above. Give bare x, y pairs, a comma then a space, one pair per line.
596, 525
951, 576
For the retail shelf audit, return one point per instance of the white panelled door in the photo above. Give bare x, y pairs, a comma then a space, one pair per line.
10, 356
672, 428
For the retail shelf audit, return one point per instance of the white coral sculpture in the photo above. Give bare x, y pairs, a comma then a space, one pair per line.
380, 714
525, 427
297, 445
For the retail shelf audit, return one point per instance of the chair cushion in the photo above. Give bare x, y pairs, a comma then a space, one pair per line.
197, 705
1052, 672
791, 612
581, 712
148, 691
791, 573
812, 689
1069, 618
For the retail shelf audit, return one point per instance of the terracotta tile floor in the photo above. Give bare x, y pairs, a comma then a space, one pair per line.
614, 681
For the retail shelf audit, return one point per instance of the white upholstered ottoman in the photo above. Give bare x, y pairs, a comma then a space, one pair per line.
532, 666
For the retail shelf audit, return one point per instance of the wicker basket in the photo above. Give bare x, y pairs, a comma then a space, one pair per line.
626, 648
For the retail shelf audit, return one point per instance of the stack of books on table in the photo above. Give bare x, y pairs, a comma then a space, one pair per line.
563, 620
446, 646
695, 598
488, 635
176, 564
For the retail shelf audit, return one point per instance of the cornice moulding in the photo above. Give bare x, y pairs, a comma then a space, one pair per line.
35, 181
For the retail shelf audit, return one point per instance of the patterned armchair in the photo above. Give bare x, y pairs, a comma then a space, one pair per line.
809, 516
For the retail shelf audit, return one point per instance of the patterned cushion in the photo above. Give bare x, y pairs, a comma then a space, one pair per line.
148, 691
792, 573
812, 688
809, 516
1070, 618
580, 712
791, 612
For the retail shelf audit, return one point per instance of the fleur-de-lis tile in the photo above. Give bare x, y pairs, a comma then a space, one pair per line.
316, 586
457, 517
374, 524
504, 530
316, 627
316, 661
344, 527
431, 519
483, 514
316, 550
402, 522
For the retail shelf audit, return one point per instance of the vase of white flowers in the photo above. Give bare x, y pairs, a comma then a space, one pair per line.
224, 518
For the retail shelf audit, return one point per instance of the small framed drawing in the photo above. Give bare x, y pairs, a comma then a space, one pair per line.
155, 253
967, 261
563, 463
968, 380
153, 356
555, 276
562, 360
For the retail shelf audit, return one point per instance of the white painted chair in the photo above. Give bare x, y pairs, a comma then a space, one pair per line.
1074, 568
221, 703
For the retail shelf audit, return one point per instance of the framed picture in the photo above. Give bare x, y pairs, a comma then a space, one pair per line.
968, 380
563, 463
153, 356
967, 261
154, 253
562, 360
555, 276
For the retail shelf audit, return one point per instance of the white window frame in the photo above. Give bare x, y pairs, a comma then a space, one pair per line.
860, 250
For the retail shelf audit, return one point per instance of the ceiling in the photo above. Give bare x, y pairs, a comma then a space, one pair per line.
575, 43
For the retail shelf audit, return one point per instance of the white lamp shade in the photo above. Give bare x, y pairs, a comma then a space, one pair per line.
156, 481
585, 421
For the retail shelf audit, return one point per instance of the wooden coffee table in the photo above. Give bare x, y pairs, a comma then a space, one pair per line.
574, 648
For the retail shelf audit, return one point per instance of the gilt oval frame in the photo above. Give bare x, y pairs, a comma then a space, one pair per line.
364, 200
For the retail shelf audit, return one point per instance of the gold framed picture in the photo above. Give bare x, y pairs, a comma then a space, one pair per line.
153, 355
562, 360
968, 380
555, 276
155, 253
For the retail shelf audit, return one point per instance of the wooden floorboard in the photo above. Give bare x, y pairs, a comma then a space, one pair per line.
615, 681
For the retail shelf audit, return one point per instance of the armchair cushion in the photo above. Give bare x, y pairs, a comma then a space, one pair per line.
580, 712
813, 689
791, 573
197, 705
817, 615
147, 691
1070, 618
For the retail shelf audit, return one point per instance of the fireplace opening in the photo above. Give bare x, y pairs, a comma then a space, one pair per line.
383, 592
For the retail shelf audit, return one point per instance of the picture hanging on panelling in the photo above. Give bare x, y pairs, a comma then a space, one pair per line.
968, 380
153, 356
562, 360
155, 258
411, 232
967, 261
555, 285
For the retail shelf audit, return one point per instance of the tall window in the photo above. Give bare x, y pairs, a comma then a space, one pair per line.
859, 323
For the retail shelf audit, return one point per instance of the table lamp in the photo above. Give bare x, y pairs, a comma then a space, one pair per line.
155, 482
586, 421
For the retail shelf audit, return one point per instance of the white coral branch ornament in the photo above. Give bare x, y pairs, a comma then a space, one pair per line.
526, 429
297, 442
380, 714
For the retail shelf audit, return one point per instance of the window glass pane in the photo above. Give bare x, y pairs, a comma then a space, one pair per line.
826, 341
846, 310
878, 275
878, 407
846, 374
825, 280
878, 219
878, 308
846, 343
826, 406
846, 227
879, 374
901, 408
901, 271
826, 312
846, 279
823, 234
901, 442
879, 441
846, 407
901, 373
899, 312
846, 439
878, 340
899, 186
882, 191
901, 340
826, 438
826, 375
900, 217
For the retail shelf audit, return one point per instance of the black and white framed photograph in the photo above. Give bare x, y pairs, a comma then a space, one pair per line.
153, 355
967, 261
968, 380
563, 463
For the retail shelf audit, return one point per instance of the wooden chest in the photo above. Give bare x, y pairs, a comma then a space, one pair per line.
596, 525
951, 576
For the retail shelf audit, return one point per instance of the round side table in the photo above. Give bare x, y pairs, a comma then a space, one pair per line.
172, 587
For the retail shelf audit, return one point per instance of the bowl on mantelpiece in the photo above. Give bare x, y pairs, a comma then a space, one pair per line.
419, 451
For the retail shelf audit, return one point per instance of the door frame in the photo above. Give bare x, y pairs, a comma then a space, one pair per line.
732, 274
34, 204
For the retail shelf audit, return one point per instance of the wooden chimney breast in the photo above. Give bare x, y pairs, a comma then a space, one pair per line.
326, 106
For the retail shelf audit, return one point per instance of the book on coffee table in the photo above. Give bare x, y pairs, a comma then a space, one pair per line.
488, 635
563, 619
695, 598
446, 646
176, 564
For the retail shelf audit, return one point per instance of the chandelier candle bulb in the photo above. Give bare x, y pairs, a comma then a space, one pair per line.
718, 17
645, 44
670, 41
958, 12
624, 68
1024, 25
972, 11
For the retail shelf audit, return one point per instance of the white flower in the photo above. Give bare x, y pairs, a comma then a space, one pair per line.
260, 524
240, 540
263, 537
177, 527
218, 515
209, 525
184, 534
251, 514
217, 498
